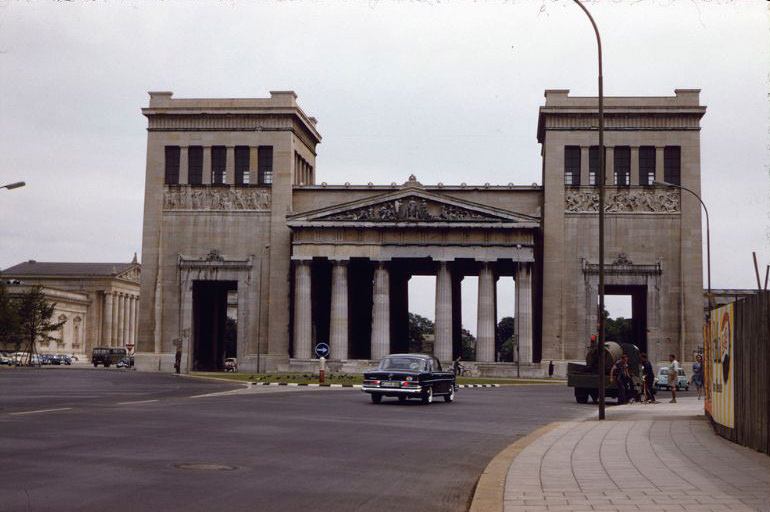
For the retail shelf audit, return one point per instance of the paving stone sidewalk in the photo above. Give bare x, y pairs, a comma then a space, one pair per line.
642, 457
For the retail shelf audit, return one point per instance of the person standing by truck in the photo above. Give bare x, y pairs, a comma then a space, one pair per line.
648, 380
619, 375
673, 376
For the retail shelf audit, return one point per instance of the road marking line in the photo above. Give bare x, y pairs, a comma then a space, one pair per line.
137, 402
220, 393
41, 410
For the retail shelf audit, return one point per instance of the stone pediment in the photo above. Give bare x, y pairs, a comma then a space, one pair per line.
131, 274
412, 206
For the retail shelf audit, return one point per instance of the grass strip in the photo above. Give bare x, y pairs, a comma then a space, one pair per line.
309, 378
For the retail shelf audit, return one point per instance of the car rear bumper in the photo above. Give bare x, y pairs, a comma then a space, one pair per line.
391, 391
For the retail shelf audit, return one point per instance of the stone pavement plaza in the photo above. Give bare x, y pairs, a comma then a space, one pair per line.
642, 457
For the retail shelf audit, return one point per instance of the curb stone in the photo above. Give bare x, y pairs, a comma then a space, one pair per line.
490, 489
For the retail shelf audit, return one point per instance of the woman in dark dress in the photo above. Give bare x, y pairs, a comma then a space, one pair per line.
697, 374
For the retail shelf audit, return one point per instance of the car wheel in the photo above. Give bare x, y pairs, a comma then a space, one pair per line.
376, 398
451, 396
427, 395
402, 398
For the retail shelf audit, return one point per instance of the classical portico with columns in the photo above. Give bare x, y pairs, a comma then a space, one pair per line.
240, 234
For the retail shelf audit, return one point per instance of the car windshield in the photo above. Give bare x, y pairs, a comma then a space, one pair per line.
403, 363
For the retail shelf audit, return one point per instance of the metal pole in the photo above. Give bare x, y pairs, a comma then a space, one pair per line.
708, 229
602, 362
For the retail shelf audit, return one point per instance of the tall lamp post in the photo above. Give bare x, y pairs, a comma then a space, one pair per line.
708, 235
12, 186
600, 177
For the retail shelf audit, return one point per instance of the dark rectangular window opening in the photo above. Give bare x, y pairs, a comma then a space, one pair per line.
593, 166
622, 166
265, 165
241, 165
172, 165
572, 165
218, 164
646, 165
672, 164
195, 165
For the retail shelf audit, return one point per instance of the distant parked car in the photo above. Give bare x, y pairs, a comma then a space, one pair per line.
64, 359
662, 380
126, 362
231, 364
409, 376
6, 359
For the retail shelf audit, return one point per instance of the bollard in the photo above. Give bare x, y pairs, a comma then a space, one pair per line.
322, 372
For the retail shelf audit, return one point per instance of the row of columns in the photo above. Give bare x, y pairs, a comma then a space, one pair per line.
380, 332
609, 165
119, 319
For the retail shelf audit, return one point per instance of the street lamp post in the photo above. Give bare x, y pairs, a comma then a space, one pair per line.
600, 177
708, 235
12, 186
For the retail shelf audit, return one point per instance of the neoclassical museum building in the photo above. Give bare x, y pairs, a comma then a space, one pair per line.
238, 225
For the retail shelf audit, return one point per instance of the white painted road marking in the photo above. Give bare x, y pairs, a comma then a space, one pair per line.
137, 402
39, 411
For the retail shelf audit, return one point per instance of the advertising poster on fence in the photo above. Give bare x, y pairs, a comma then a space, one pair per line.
718, 339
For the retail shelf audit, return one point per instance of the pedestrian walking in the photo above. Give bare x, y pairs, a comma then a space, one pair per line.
619, 375
178, 359
673, 376
648, 380
697, 374
550, 369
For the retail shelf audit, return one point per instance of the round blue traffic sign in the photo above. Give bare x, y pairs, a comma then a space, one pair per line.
322, 350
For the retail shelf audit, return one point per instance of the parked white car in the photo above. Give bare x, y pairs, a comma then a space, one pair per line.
661, 382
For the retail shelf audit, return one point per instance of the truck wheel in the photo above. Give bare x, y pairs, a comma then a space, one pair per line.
581, 395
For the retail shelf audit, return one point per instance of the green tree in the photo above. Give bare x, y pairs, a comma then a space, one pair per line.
619, 330
35, 313
504, 338
9, 318
468, 345
419, 326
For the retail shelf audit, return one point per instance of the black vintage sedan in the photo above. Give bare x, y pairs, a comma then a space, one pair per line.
409, 376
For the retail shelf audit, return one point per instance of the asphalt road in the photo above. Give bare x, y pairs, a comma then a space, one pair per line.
114, 440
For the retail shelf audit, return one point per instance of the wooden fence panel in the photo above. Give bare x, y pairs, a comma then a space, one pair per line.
752, 372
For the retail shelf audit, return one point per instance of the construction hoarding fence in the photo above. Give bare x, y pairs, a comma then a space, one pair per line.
737, 363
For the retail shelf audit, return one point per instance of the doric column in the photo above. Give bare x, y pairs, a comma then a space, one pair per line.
442, 347
338, 336
660, 174
485, 336
584, 157
634, 166
303, 321
524, 311
230, 165
131, 319
206, 180
121, 319
184, 166
115, 317
107, 320
609, 166
136, 321
380, 312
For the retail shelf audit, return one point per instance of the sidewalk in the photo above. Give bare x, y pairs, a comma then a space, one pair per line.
642, 457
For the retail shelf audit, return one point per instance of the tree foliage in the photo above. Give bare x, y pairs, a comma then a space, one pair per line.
419, 327
34, 314
506, 329
618, 329
9, 318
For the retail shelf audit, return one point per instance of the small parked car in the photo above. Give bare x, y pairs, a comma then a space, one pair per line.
64, 359
126, 362
661, 382
410, 376
231, 364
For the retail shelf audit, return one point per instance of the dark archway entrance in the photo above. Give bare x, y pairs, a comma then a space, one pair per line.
211, 344
638, 294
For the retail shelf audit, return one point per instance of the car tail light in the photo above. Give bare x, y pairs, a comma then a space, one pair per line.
372, 382
408, 383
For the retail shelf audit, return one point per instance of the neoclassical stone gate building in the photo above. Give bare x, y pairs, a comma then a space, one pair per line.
234, 213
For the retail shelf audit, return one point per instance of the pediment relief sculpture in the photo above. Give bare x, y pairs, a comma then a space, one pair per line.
411, 208
623, 200
131, 274
218, 199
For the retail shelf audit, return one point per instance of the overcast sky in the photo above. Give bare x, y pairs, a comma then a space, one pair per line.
447, 91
